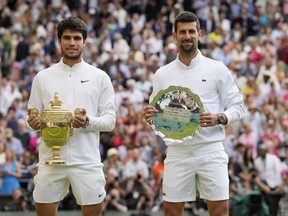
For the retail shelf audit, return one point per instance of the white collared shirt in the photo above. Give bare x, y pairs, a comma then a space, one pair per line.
213, 83
80, 86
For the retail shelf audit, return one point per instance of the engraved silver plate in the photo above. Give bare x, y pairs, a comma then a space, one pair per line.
177, 118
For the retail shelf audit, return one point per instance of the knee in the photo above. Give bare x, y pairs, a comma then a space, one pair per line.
219, 208
173, 209
17, 194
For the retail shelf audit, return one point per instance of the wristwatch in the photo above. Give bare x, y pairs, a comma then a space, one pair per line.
221, 119
87, 122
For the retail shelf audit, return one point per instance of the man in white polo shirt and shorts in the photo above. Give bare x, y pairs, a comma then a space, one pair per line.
201, 161
79, 85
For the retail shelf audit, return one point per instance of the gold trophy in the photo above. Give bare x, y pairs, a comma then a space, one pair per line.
56, 128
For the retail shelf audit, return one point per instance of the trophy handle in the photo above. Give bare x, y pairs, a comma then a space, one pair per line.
33, 112
78, 111
70, 125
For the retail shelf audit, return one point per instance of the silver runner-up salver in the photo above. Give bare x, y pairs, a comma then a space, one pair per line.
178, 113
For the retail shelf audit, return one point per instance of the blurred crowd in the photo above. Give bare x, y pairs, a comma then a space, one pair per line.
130, 40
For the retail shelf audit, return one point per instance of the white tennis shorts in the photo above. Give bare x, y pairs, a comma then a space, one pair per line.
52, 183
184, 175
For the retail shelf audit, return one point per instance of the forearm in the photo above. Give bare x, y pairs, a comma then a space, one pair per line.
119, 206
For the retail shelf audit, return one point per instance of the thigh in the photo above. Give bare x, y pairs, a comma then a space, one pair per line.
212, 176
94, 210
44, 209
179, 179
88, 184
51, 184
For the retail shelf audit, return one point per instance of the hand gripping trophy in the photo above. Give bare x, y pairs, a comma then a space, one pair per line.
56, 128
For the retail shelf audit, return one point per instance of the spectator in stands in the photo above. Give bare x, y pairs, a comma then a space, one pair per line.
32, 61
225, 56
120, 47
135, 167
114, 180
271, 135
283, 50
120, 14
249, 88
283, 202
19, 109
247, 164
135, 175
249, 138
115, 199
28, 171
269, 167
134, 95
9, 91
22, 133
118, 67
2, 158
144, 85
10, 172
230, 142
283, 135
112, 161
11, 142
2, 152
157, 176
114, 202
254, 55
256, 120
284, 89
11, 119
146, 151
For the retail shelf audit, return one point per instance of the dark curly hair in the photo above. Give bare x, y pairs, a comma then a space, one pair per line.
72, 23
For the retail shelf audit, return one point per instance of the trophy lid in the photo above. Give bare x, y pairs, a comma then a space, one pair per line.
56, 106
56, 103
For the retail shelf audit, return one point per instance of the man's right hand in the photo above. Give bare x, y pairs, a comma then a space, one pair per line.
149, 112
33, 121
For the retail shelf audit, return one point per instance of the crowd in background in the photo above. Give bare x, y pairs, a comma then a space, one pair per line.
130, 40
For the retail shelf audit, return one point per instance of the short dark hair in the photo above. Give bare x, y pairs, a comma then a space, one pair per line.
72, 23
186, 16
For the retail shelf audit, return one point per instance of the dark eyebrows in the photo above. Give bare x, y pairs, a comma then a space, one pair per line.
189, 30
76, 37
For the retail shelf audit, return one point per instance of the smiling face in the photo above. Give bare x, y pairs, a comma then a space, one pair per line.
72, 44
187, 36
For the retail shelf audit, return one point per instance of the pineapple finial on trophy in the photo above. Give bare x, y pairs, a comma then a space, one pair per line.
56, 103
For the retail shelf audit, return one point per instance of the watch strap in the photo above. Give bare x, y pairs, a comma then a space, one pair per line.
87, 122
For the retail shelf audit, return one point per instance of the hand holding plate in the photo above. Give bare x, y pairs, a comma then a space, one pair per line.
149, 112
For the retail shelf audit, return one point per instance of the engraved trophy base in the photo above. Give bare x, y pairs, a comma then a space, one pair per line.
54, 161
55, 156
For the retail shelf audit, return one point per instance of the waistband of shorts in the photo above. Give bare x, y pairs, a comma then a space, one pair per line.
179, 150
194, 150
